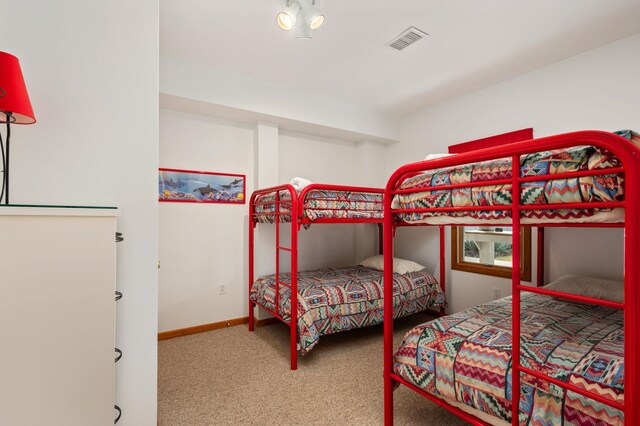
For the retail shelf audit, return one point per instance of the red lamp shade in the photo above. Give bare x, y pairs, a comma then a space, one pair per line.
14, 98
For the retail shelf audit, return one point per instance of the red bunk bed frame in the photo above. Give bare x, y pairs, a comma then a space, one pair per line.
297, 220
629, 156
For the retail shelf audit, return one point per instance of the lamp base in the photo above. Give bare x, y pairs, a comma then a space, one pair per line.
4, 151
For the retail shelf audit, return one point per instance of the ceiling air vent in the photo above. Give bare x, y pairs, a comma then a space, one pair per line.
406, 38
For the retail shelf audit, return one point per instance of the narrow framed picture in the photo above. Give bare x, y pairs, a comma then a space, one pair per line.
190, 186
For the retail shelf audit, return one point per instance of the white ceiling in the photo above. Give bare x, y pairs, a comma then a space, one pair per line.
472, 44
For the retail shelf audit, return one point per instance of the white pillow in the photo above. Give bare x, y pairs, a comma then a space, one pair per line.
300, 183
434, 156
400, 266
590, 287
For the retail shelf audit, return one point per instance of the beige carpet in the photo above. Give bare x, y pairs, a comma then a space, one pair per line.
233, 377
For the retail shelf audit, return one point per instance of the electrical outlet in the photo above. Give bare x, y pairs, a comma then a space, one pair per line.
223, 289
497, 293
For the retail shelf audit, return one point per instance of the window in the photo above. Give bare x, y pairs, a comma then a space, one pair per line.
487, 250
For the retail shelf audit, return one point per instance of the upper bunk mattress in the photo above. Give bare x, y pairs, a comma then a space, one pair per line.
337, 299
323, 204
466, 357
606, 187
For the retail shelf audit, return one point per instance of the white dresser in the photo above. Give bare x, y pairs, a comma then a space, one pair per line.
57, 315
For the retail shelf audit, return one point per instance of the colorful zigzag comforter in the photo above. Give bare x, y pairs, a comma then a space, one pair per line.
607, 187
338, 299
466, 357
322, 203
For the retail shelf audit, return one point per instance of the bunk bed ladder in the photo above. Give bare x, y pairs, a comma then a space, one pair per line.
280, 216
630, 304
293, 285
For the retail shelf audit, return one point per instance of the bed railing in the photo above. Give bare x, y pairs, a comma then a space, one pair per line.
306, 195
306, 191
629, 156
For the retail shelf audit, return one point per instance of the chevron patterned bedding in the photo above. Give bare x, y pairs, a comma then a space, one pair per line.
338, 299
324, 204
608, 187
466, 357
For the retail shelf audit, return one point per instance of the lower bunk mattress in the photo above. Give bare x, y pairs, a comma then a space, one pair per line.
331, 300
466, 357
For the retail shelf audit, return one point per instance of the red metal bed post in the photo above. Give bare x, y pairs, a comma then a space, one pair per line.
277, 216
631, 291
293, 300
442, 264
252, 225
515, 292
540, 250
388, 308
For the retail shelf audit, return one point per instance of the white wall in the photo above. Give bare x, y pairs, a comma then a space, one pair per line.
202, 246
322, 160
595, 90
266, 147
91, 68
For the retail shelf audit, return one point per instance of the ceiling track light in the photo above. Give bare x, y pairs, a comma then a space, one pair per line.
303, 15
313, 16
287, 18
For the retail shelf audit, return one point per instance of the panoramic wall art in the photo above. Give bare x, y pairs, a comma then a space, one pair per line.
189, 186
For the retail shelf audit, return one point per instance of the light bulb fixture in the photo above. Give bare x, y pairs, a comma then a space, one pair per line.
313, 17
303, 15
287, 18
